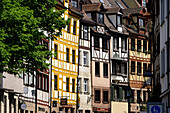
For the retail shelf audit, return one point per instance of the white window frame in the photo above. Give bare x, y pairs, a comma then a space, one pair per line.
85, 85
85, 30
85, 63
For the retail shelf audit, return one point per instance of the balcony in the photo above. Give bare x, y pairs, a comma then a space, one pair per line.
11, 83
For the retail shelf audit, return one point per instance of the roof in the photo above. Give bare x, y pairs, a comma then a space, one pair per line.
113, 10
131, 11
131, 3
117, 3
91, 7
86, 18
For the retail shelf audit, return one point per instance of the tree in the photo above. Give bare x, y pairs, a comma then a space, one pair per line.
22, 23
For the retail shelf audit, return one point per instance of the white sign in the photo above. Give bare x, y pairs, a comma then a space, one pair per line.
23, 106
155, 107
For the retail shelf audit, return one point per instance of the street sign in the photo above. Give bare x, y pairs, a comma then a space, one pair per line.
155, 107
63, 101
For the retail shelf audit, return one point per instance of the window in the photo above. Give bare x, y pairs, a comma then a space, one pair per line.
73, 56
124, 68
45, 43
97, 95
139, 68
144, 46
118, 20
149, 67
67, 54
116, 67
116, 43
55, 82
100, 19
56, 51
124, 44
73, 85
97, 68
144, 68
67, 84
132, 66
162, 11
144, 96
138, 96
85, 85
144, 3
79, 85
158, 44
68, 27
163, 62
85, 32
139, 45
133, 44
74, 28
141, 23
105, 66
74, 3
96, 42
5, 104
85, 55
40, 81
104, 43
105, 96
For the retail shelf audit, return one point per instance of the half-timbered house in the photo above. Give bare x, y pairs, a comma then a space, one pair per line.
137, 21
100, 60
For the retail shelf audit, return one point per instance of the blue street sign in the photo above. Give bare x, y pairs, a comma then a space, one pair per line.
155, 109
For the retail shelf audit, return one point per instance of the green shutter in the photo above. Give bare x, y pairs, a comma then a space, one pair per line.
112, 93
120, 94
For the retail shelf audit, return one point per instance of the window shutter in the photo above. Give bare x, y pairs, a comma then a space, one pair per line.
112, 93
120, 94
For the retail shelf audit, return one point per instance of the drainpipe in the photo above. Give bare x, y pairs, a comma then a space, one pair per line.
128, 79
110, 71
168, 47
50, 77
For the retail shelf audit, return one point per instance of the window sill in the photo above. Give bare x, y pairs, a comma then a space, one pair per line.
105, 50
96, 48
105, 102
97, 75
115, 50
85, 65
87, 93
133, 73
97, 101
105, 76
124, 51
139, 74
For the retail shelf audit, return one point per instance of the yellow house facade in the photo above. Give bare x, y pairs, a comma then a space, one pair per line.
65, 64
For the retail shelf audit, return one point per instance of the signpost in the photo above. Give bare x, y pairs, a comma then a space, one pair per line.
155, 107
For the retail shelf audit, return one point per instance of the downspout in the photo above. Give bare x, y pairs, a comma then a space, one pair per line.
168, 47
128, 77
50, 77
110, 72
77, 106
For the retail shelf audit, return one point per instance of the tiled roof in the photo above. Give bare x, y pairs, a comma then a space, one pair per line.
131, 3
132, 10
113, 10
115, 3
91, 7
86, 18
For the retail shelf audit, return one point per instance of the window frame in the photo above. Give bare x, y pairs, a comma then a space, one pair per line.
133, 68
56, 51
97, 101
115, 44
73, 56
96, 42
85, 32
97, 74
133, 44
85, 84
55, 82
74, 27
124, 45
73, 85
139, 67
107, 100
105, 70
67, 84
85, 58
67, 54
100, 16
139, 45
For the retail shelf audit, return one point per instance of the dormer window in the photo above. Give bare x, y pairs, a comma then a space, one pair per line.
141, 22
100, 18
119, 22
74, 3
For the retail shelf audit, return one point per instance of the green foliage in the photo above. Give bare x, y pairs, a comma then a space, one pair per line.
22, 25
